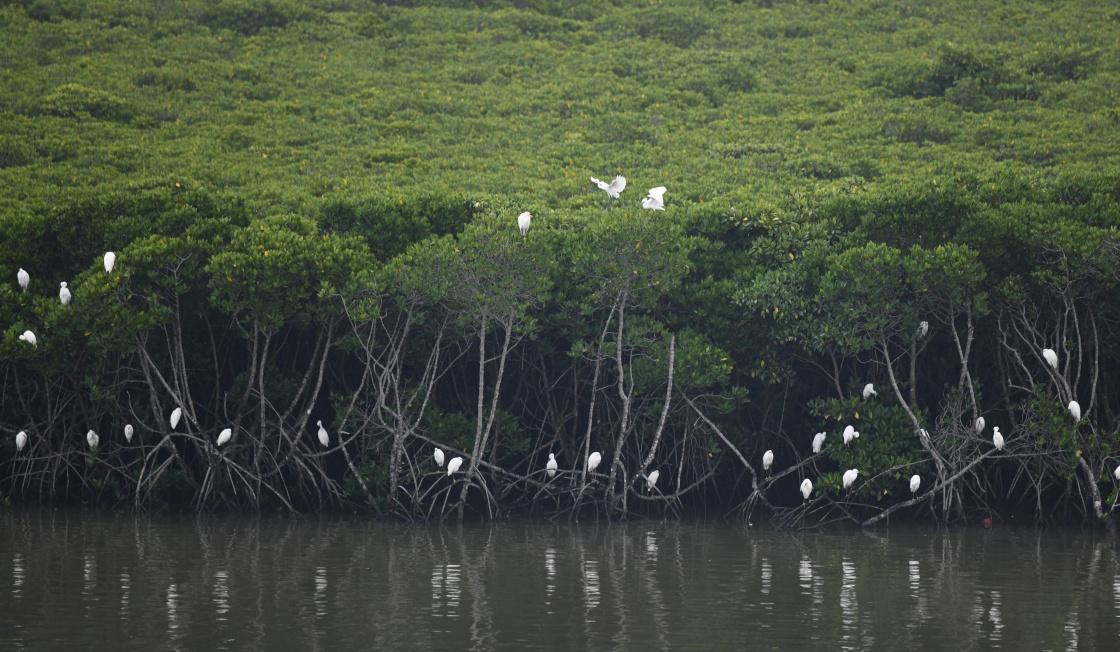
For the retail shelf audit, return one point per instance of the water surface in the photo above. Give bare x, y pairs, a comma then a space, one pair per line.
78, 580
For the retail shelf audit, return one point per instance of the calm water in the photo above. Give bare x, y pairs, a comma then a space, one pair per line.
71, 580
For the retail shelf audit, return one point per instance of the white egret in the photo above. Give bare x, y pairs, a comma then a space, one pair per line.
523, 221
24, 278
923, 328
1116, 474
21, 440
324, 438
593, 461
767, 460
869, 391
655, 200
850, 433
979, 425
224, 436
1051, 357
806, 488
453, 465
997, 439
552, 465
651, 480
128, 431
29, 337
923, 434
92, 439
176, 414
63, 293
110, 260
1075, 411
915, 482
818, 441
438, 456
850, 477
614, 188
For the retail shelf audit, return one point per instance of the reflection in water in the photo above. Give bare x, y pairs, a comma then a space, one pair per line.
262, 584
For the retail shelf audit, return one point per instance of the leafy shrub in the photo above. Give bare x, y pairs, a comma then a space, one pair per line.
15, 152
76, 101
168, 80
249, 17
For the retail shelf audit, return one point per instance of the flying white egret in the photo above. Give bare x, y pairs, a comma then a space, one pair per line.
63, 293
915, 482
997, 439
29, 337
453, 465
324, 438
224, 436
92, 439
128, 431
655, 200
593, 461
806, 488
438, 456
849, 477
979, 425
110, 260
651, 479
21, 440
923, 328
1075, 411
1051, 357
850, 433
818, 441
767, 460
614, 188
523, 221
552, 465
176, 414
24, 278
869, 391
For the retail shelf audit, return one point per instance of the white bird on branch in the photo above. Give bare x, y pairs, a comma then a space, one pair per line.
128, 431
767, 460
437, 454
92, 439
21, 440
806, 488
850, 477
593, 461
24, 278
915, 482
110, 260
1075, 411
29, 337
818, 441
923, 328
850, 433
551, 466
523, 221
224, 436
453, 465
63, 293
651, 480
655, 200
1051, 357
324, 438
869, 391
614, 188
997, 439
1116, 474
979, 425
176, 414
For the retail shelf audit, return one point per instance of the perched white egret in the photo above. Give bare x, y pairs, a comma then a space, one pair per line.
915, 482
63, 293
651, 479
923, 328
523, 221
850, 477
869, 391
614, 188
923, 434
92, 439
24, 279
21, 440
818, 441
110, 260
979, 425
224, 436
551, 466
1075, 411
850, 433
128, 432
437, 454
176, 414
997, 439
453, 465
767, 460
324, 438
1051, 357
655, 200
593, 461
29, 337
1116, 474
806, 488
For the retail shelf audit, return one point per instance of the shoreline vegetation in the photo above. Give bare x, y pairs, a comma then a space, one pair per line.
898, 226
